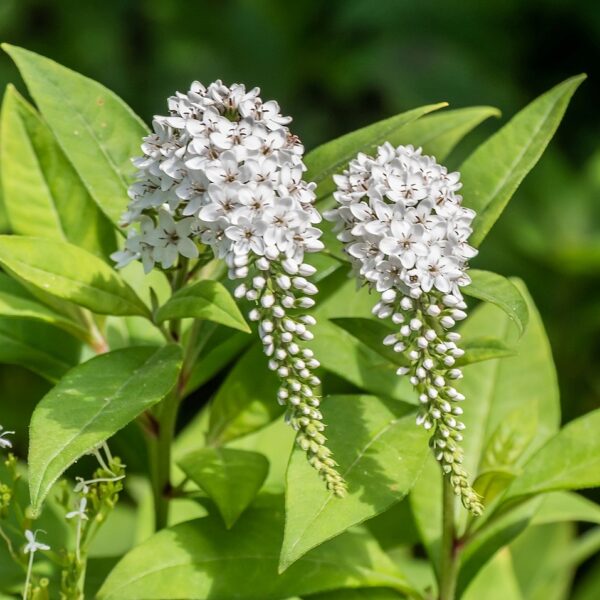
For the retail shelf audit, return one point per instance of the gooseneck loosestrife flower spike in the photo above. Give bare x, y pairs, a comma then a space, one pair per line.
223, 170
402, 224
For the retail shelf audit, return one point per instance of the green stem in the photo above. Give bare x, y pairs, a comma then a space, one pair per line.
161, 458
450, 558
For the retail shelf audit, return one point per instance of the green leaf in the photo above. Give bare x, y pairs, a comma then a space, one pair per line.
97, 131
495, 170
17, 302
332, 157
207, 300
39, 347
232, 478
380, 452
71, 273
439, 133
566, 506
490, 539
372, 332
360, 594
538, 555
497, 390
497, 581
568, 461
90, 404
200, 559
246, 401
38, 180
491, 287
345, 356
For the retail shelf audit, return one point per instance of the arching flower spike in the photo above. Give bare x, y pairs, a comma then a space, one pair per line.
403, 226
223, 170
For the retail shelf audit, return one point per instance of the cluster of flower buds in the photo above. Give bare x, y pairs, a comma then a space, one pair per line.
406, 233
276, 290
223, 170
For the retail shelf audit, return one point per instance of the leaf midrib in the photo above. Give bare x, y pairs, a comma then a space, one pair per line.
358, 458
94, 417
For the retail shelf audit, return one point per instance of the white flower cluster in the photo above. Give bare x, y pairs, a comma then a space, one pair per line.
406, 233
223, 170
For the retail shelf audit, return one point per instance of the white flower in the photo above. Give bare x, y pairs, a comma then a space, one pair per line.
4, 442
406, 234
33, 545
80, 512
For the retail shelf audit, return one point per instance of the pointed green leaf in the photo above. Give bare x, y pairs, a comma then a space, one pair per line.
232, 478
71, 273
91, 403
491, 287
380, 452
200, 559
38, 180
97, 131
334, 156
207, 300
495, 170
569, 461
486, 544
17, 302
439, 133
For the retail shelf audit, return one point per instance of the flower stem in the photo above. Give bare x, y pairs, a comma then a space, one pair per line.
450, 558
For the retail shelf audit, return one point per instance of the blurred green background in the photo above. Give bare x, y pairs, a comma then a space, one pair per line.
340, 64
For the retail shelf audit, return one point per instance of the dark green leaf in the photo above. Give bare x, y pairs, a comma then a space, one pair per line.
246, 401
17, 302
39, 347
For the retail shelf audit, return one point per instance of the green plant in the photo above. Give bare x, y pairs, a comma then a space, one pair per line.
127, 352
